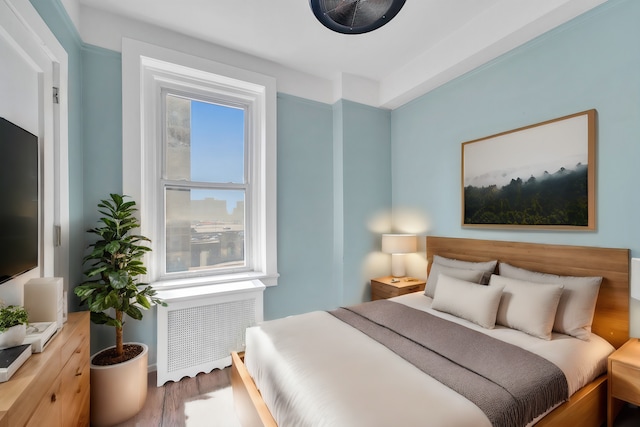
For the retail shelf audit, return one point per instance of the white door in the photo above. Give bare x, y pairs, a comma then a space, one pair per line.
32, 63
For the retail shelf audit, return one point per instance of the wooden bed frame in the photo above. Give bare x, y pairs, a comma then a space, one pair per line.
588, 406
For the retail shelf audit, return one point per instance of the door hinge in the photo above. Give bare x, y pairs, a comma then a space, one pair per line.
56, 96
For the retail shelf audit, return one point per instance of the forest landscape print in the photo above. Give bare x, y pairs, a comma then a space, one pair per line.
540, 176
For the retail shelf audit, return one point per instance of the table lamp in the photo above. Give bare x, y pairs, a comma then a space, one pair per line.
397, 245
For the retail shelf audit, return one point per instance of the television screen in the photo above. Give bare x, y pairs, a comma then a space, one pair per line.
19, 200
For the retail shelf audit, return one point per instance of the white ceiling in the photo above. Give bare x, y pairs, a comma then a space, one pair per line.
426, 44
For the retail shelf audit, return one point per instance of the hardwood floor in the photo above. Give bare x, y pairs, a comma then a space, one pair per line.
165, 406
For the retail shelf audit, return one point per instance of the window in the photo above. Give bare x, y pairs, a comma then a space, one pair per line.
200, 163
203, 185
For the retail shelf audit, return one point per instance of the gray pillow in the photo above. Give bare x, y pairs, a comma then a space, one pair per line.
577, 303
452, 267
437, 270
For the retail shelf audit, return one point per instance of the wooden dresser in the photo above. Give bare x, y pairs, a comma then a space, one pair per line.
52, 388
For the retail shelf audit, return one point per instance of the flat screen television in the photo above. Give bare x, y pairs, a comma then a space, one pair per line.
18, 200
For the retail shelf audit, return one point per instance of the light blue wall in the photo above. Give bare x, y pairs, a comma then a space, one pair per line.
591, 62
102, 129
102, 168
366, 194
305, 206
333, 177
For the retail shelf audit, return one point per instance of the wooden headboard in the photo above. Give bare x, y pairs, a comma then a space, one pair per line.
611, 319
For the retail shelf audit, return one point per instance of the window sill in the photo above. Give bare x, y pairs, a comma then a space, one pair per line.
219, 289
198, 286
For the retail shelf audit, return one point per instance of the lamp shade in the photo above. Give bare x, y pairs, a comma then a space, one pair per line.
399, 243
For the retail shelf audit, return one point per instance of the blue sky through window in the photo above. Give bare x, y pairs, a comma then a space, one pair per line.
217, 143
217, 148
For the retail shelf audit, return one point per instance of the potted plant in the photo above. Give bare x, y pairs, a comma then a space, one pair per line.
13, 325
111, 291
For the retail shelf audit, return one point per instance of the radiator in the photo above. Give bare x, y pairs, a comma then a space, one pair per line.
201, 326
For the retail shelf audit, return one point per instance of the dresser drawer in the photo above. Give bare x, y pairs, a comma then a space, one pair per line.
74, 394
412, 289
78, 339
381, 290
625, 383
49, 411
388, 287
74, 368
75, 383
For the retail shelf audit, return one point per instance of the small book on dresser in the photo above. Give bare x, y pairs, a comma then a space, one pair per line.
11, 359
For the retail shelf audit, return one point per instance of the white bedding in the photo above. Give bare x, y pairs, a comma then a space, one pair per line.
314, 370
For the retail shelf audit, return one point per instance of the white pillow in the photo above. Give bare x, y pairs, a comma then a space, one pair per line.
577, 303
437, 270
470, 301
486, 267
526, 306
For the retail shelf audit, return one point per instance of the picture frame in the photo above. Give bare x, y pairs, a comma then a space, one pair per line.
540, 176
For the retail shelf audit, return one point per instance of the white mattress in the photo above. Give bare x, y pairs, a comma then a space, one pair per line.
314, 370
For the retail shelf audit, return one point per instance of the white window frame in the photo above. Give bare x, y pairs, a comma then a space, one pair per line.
220, 96
146, 71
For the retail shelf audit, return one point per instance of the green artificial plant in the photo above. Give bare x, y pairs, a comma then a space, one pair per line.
113, 266
12, 315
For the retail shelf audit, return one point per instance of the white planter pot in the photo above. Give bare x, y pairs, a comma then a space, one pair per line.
13, 336
118, 392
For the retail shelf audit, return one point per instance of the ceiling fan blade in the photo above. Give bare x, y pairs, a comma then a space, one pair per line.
344, 14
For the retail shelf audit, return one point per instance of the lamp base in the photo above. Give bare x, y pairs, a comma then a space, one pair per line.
397, 265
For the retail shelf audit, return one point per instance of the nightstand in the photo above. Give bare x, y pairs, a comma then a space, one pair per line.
383, 287
624, 377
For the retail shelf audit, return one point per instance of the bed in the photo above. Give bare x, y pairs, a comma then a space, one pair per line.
359, 368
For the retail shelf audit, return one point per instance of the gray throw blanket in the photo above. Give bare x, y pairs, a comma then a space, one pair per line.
510, 385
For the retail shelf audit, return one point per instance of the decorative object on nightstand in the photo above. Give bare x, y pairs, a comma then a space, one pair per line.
389, 286
397, 245
624, 377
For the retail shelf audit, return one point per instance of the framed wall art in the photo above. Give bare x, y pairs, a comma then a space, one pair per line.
538, 176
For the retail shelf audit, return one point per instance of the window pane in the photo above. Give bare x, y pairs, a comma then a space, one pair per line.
204, 229
205, 141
